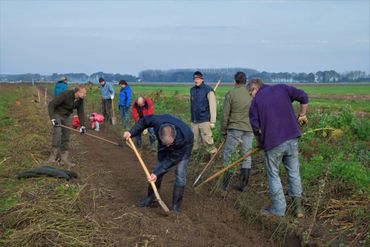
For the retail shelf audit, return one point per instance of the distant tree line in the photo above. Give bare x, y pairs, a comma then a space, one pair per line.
210, 75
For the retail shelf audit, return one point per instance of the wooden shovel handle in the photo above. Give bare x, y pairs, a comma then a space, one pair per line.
163, 205
209, 162
229, 167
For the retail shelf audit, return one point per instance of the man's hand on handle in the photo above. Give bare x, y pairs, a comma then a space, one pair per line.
55, 122
152, 178
126, 135
302, 119
82, 130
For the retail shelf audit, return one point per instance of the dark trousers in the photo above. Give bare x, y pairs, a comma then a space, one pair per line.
107, 110
60, 138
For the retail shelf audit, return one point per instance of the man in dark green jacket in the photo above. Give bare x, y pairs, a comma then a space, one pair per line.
60, 112
235, 127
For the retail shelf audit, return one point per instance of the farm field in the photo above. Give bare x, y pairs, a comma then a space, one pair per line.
99, 208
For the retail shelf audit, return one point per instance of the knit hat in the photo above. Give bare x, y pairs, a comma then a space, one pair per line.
198, 74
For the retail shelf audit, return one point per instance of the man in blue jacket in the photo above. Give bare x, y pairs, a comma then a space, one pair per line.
107, 94
276, 129
124, 102
60, 86
175, 142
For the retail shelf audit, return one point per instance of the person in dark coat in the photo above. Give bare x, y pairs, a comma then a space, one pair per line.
175, 143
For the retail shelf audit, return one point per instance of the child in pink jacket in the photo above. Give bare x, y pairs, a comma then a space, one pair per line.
96, 119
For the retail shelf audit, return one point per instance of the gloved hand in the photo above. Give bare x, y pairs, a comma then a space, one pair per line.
212, 125
302, 120
112, 96
55, 122
82, 130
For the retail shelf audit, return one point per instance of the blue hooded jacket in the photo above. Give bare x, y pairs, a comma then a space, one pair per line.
60, 86
125, 96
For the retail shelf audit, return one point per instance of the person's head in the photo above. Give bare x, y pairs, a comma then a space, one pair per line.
240, 78
253, 86
197, 78
167, 134
80, 92
123, 83
63, 78
140, 101
91, 116
101, 81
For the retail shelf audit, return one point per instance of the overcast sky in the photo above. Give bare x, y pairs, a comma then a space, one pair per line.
130, 36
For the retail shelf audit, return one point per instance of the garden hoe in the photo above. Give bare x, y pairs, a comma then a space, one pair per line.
161, 203
94, 136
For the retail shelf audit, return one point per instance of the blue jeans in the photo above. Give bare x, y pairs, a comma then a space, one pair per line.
234, 139
180, 173
125, 115
151, 138
287, 152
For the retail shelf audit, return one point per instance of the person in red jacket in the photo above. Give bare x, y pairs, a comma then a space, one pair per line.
143, 107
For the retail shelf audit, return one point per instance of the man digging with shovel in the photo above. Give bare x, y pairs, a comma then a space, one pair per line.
60, 112
175, 142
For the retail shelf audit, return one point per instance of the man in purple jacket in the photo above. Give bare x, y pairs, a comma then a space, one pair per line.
276, 129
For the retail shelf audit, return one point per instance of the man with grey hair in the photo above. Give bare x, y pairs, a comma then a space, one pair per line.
276, 129
175, 143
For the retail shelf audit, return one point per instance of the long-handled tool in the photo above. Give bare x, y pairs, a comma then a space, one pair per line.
113, 114
209, 163
229, 167
161, 203
218, 83
94, 136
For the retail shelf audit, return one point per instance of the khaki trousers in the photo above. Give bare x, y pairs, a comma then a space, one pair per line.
203, 136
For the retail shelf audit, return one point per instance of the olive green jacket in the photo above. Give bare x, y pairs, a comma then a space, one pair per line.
235, 113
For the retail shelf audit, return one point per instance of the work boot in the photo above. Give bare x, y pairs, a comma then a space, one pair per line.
64, 156
148, 200
298, 209
178, 193
244, 176
53, 155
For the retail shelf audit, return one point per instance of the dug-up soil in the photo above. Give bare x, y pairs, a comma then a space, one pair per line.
116, 183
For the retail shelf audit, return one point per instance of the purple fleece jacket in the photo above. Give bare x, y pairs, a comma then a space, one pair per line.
272, 116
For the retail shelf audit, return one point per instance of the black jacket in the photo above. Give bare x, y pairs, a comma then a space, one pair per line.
178, 151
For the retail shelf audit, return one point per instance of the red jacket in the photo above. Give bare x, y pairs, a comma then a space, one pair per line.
75, 122
146, 110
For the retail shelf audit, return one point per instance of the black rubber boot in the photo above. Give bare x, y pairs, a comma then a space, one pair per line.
178, 193
244, 176
148, 200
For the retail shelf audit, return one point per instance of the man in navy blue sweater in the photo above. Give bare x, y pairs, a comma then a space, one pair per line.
276, 129
175, 143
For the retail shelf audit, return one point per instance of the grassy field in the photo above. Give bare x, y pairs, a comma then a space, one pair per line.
334, 154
